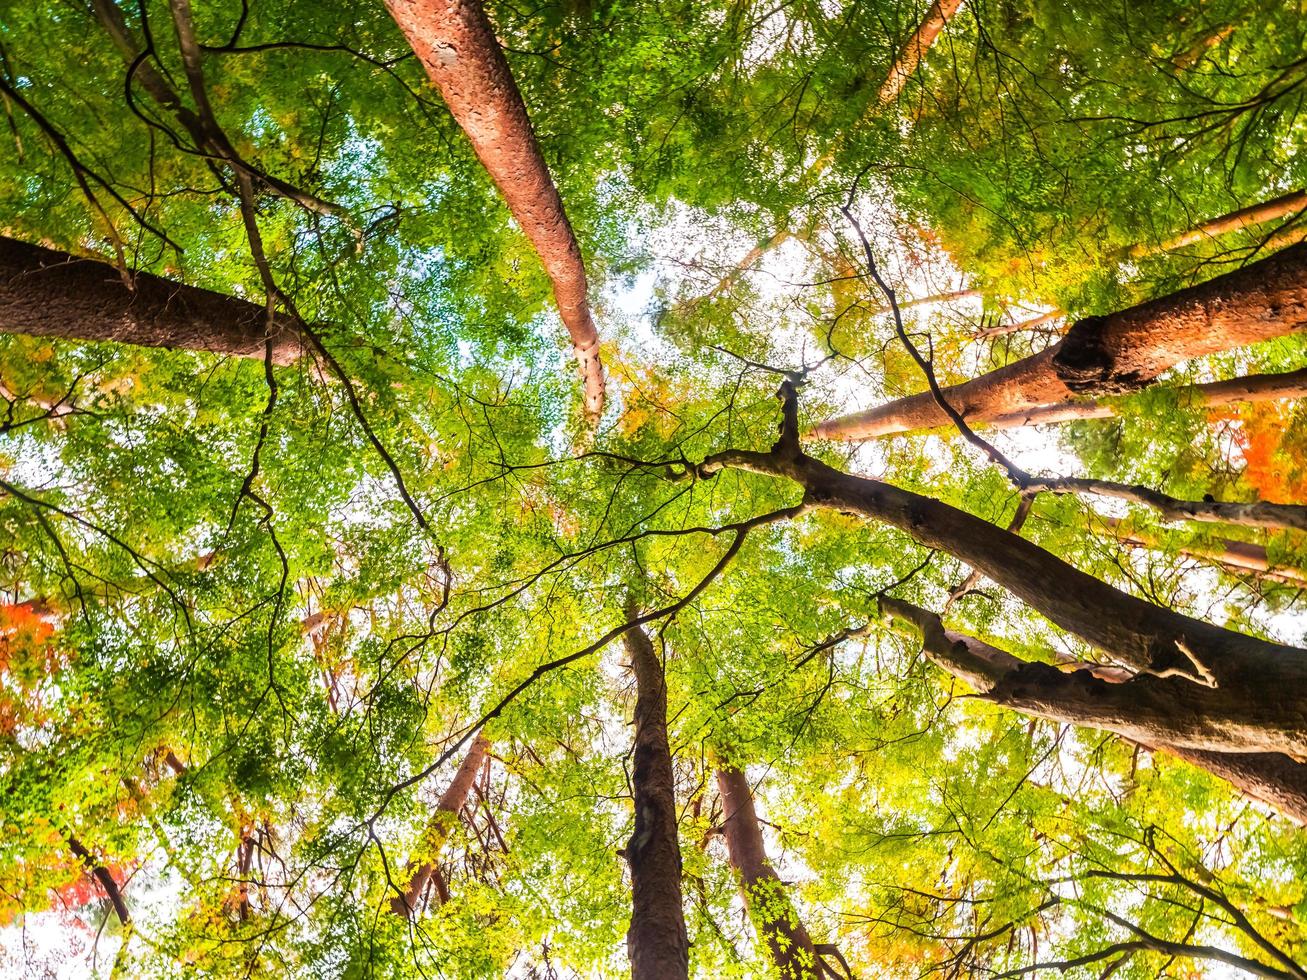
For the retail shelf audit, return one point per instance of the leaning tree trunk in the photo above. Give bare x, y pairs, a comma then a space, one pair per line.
1262, 684
1256, 214
656, 942
456, 44
1246, 390
45, 293
103, 876
451, 802
788, 944
1114, 354
905, 65
1081, 697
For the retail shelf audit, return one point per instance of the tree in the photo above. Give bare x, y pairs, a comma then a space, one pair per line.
457, 46
656, 941
299, 514
1117, 353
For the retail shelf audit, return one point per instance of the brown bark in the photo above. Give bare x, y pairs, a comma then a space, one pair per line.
1239, 556
1258, 514
787, 941
437, 832
1256, 214
656, 942
46, 293
456, 44
937, 17
1129, 709
1253, 388
1148, 638
1114, 354
101, 874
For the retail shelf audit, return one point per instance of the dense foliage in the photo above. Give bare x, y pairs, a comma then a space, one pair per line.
253, 615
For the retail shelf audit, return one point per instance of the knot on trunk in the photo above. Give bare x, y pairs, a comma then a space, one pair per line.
1084, 362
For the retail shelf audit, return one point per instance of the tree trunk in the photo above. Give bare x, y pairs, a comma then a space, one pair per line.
1256, 214
1253, 388
456, 44
45, 293
1238, 556
773, 916
936, 19
1136, 633
905, 66
656, 941
1259, 514
1114, 354
437, 832
1074, 698
1147, 638
101, 874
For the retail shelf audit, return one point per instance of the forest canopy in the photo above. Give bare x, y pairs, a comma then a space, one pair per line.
653, 488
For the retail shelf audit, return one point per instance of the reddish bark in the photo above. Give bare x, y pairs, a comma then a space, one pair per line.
936, 19
1253, 388
1129, 709
46, 293
656, 942
451, 802
456, 44
788, 943
1114, 354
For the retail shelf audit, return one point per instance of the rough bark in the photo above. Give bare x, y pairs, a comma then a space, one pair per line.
1259, 514
1114, 354
456, 44
656, 941
1128, 709
46, 293
101, 874
788, 944
437, 832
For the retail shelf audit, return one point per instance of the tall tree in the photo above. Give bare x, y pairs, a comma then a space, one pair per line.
788, 944
456, 44
1120, 352
656, 941
45, 293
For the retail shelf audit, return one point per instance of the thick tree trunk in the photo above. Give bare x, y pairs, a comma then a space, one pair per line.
456, 44
437, 832
788, 944
101, 874
1148, 638
45, 293
1259, 514
1133, 632
656, 941
1114, 354
1128, 709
